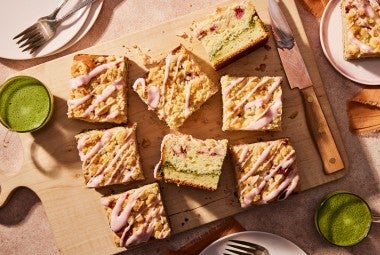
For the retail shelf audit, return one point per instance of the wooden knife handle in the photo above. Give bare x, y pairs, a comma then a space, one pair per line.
321, 132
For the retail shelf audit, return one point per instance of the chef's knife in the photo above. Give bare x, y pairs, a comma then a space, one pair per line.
298, 77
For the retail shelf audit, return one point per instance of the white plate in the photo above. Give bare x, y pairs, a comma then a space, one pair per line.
275, 244
93, 15
365, 71
16, 15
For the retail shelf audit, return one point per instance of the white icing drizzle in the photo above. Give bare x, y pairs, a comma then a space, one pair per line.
112, 115
258, 162
145, 230
82, 141
249, 95
226, 90
167, 69
267, 116
158, 166
119, 215
99, 98
243, 155
187, 96
179, 59
280, 188
121, 165
153, 96
363, 47
78, 101
99, 175
85, 79
291, 180
138, 82
265, 99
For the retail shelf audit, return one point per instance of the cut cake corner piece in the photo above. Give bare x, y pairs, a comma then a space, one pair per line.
98, 88
265, 171
251, 103
231, 32
109, 156
361, 28
137, 215
175, 87
190, 161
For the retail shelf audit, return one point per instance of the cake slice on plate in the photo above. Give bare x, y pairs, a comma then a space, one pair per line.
251, 103
109, 156
361, 28
265, 171
98, 89
175, 87
137, 215
231, 32
189, 161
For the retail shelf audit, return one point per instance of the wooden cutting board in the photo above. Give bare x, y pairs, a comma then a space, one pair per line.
50, 164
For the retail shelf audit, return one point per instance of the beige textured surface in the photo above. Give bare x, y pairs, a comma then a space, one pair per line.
23, 224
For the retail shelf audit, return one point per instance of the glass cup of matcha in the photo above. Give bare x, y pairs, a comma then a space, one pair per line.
26, 104
344, 219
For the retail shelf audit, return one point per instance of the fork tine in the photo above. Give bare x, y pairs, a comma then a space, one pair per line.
31, 40
253, 245
27, 36
35, 45
33, 27
238, 252
243, 248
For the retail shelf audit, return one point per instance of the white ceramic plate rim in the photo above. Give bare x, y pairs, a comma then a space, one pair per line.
364, 71
275, 244
93, 15
16, 15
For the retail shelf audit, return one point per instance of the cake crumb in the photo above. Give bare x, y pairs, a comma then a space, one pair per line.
293, 115
183, 35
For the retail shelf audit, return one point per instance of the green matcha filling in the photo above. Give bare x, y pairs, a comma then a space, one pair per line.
197, 172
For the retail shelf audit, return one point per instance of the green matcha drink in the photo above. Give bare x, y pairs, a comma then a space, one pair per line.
343, 219
25, 104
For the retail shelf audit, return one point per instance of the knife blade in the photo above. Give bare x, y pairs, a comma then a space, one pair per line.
298, 77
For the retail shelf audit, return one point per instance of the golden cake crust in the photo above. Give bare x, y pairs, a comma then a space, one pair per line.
98, 88
137, 215
265, 171
109, 156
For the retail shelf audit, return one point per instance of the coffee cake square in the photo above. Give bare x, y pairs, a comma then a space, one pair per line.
98, 89
175, 87
137, 215
265, 171
109, 156
251, 103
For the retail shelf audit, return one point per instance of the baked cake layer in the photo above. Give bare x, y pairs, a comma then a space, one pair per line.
231, 32
98, 89
265, 171
251, 103
137, 215
175, 87
189, 161
109, 156
361, 28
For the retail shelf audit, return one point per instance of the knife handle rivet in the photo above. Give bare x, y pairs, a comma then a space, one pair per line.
332, 160
310, 99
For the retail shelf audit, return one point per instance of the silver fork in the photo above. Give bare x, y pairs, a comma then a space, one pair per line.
45, 28
245, 248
